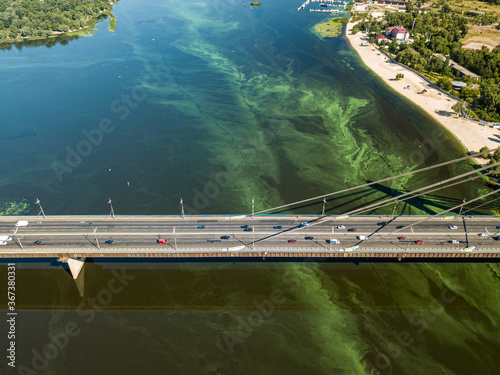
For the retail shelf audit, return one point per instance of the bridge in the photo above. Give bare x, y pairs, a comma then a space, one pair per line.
261, 235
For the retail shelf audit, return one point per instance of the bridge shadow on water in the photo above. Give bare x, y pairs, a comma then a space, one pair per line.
427, 204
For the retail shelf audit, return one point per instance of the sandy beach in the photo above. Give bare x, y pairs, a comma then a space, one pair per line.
472, 135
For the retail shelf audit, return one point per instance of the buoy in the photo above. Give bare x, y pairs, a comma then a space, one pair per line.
110, 169
128, 184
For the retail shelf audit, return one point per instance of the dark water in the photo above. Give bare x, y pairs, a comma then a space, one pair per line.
219, 103
269, 318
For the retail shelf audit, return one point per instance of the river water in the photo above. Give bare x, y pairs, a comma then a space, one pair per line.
218, 103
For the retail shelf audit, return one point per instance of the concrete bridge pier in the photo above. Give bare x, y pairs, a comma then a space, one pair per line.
75, 265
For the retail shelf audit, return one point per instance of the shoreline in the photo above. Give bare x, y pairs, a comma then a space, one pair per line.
470, 134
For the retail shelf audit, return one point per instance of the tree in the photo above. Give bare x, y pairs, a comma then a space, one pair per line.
485, 149
458, 107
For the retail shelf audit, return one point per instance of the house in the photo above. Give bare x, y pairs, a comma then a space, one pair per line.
381, 38
400, 33
397, 32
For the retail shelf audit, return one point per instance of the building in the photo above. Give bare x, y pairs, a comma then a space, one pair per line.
400, 33
456, 67
380, 39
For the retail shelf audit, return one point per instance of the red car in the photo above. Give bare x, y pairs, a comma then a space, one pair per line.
292, 241
162, 241
401, 238
420, 242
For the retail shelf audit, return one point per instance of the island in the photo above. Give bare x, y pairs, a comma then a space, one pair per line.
330, 28
32, 20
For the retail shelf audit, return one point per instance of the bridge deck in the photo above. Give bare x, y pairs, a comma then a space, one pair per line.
136, 236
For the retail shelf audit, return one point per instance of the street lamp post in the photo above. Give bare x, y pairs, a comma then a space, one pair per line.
41, 209
462, 207
324, 203
182, 208
175, 240
112, 212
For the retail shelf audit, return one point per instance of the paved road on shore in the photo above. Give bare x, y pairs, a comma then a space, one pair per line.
134, 233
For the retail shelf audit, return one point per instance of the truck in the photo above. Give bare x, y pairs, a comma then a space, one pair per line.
362, 238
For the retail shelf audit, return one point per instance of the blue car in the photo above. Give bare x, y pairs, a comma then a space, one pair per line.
247, 230
201, 226
278, 227
244, 227
351, 230
109, 242
498, 227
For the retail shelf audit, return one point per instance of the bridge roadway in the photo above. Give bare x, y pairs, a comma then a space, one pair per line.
136, 236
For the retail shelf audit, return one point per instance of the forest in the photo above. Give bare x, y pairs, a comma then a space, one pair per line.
35, 18
441, 32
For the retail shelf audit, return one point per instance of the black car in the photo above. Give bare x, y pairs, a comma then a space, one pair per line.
400, 227
244, 227
109, 242
351, 230
308, 238
225, 237
381, 224
247, 230
37, 243
278, 227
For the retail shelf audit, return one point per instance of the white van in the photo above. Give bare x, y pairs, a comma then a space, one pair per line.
22, 223
333, 240
5, 238
362, 238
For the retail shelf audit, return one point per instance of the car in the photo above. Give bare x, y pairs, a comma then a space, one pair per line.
382, 223
277, 227
351, 230
3, 243
200, 227
308, 238
497, 238
402, 238
452, 227
340, 227
419, 242
22, 223
304, 224
362, 238
225, 237
5, 238
400, 227
244, 227
292, 241
333, 241
109, 242
247, 230
162, 241
498, 227
482, 235
454, 242
37, 242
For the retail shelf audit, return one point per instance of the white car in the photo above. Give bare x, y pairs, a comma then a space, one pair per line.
333, 240
22, 223
2, 243
454, 242
482, 235
340, 227
5, 238
362, 238
453, 227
